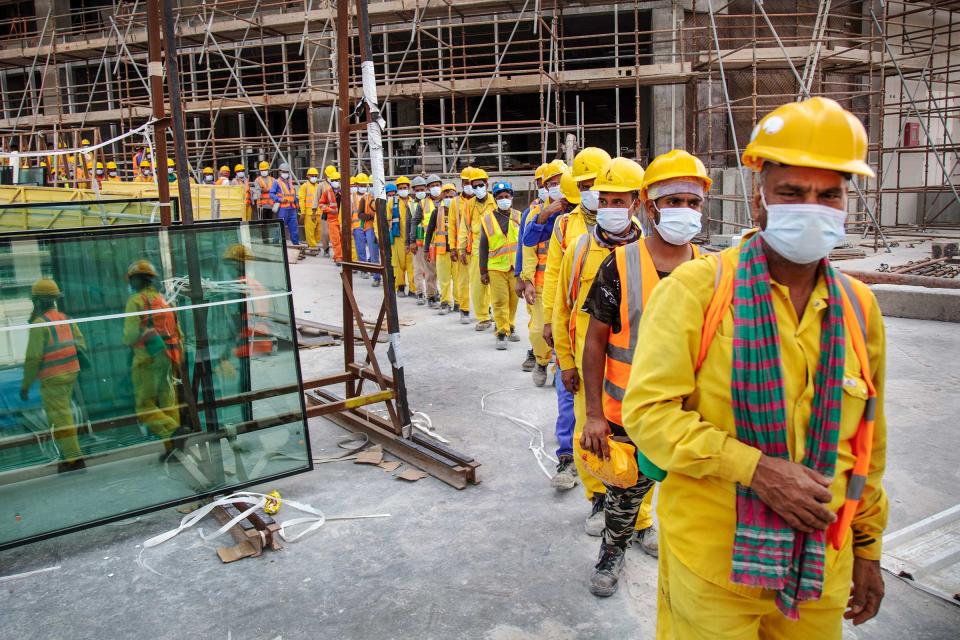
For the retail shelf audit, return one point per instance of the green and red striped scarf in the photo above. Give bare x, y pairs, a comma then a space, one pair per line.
768, 553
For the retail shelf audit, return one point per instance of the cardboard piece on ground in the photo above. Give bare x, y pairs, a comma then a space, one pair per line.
293, 255
236, 552
390, 466
411, 475
373, 455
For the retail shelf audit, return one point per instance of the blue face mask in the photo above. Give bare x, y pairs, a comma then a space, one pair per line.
803, 233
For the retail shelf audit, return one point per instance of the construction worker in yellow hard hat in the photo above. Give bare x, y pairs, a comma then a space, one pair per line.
673, 191
112, 172
208, 176
309, 198
469, 246
439, 238
224, 179
53, 357
142, 153
260, 192
364, 226
330, 213
398, 212
156, 342
765, 449
146, 172
171, 170
460, 269
240, 179
99, 173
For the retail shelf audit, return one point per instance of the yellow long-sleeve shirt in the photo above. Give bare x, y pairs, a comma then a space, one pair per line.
528, 267
468, 235
309, 197
683, 420
575, 227
37, 340
570, 354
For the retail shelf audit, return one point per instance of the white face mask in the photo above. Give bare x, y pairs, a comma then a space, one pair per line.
284, 175
468, 189
543, 194
353, 190
590, 199
480, 192
99, 172
613, 219
208, 178
447, 202
554, 192
403, 193
335, 184
145, 172
678, 225
313, 179
504, 204
435, 192
170, 170
361, 190
419, 195
264, 174
240, 175
113, 174
803, 233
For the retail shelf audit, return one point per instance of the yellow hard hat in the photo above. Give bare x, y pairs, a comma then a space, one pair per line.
238, 252
553, 169
263, 166
99, 165
45, 287
224, 168
479, 174
588, 162
568, 187
538, 174
312, 171
466, 173
170, 162
330, 172
353, 180
208, 171
816, 133
448, 187
402, 180
145, 164
111, 165
363, 179
141, 268
84, 142
674, 164
620, 175
238, 167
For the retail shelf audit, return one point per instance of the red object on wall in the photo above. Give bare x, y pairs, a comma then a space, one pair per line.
911, 134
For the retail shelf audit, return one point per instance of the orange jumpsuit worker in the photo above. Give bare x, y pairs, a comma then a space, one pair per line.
330, 211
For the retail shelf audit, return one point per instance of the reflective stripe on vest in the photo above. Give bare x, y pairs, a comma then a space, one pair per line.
500, 247
60, 354
287, 195
573, 287
427, 206
265, 185
164, 323
543, 248
440, 240
856, 302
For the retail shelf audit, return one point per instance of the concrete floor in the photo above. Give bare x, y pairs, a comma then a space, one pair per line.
505, 560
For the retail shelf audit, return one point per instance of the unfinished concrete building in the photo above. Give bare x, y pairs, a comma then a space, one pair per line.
507, 84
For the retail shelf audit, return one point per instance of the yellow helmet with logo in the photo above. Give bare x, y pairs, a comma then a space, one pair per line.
141, 268
45, 287
402, 180
620, 175
553, 169
538, 174
312, 171
263, 166
675, 164
238, 167
588, 162
816, 133
568, 187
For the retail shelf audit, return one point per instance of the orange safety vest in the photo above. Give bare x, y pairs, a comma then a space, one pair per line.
288, 196
360, 203
634, 265
164, 323
60, 354
855, 297
265, 185
441, 241
543, 249
250, 339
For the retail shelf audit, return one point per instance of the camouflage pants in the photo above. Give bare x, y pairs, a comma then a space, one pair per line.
620, 508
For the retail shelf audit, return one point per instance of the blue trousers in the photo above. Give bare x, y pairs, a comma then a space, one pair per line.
289, 217
367, 248
565, 418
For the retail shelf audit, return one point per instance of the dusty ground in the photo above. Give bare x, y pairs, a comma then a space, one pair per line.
505, 560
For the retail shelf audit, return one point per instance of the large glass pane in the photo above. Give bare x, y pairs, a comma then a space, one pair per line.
24, 216
142, 367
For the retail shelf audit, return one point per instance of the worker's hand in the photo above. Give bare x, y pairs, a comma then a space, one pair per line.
518, 286
594, 437
557, 206
484, 279
453, 255
412, 248
428, 256
529, 292
548, 334
570, 379
463, 258
25, 394
867, 591
800, 495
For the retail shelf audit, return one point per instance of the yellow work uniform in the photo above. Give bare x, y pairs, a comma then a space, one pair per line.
574, 227
444, 239
155, 397
112, 179
56, 391
502, 249
469, 241
528, 273
683, 422
402, 261
570, 354
309, 198
461, 272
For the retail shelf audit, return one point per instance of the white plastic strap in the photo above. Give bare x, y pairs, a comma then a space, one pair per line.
63, 152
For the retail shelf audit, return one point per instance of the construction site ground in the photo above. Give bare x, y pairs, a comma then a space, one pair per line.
505, 560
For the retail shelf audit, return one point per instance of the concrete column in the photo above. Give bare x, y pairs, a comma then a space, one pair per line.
318, 118
53, 78
668, 122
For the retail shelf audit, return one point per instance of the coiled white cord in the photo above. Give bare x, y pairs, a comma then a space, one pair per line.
536, 444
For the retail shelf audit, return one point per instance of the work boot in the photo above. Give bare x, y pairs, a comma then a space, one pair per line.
540, 375
433, 301
401, 291
464, 317
444, 309
375, 283
326, 253
596, 522
72, 465
456, 307
501, 342
530, 362
649, 540
513, 336
566, 477
484, 325
606, 574
421, 300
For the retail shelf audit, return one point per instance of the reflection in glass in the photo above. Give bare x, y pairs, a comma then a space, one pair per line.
126, 384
